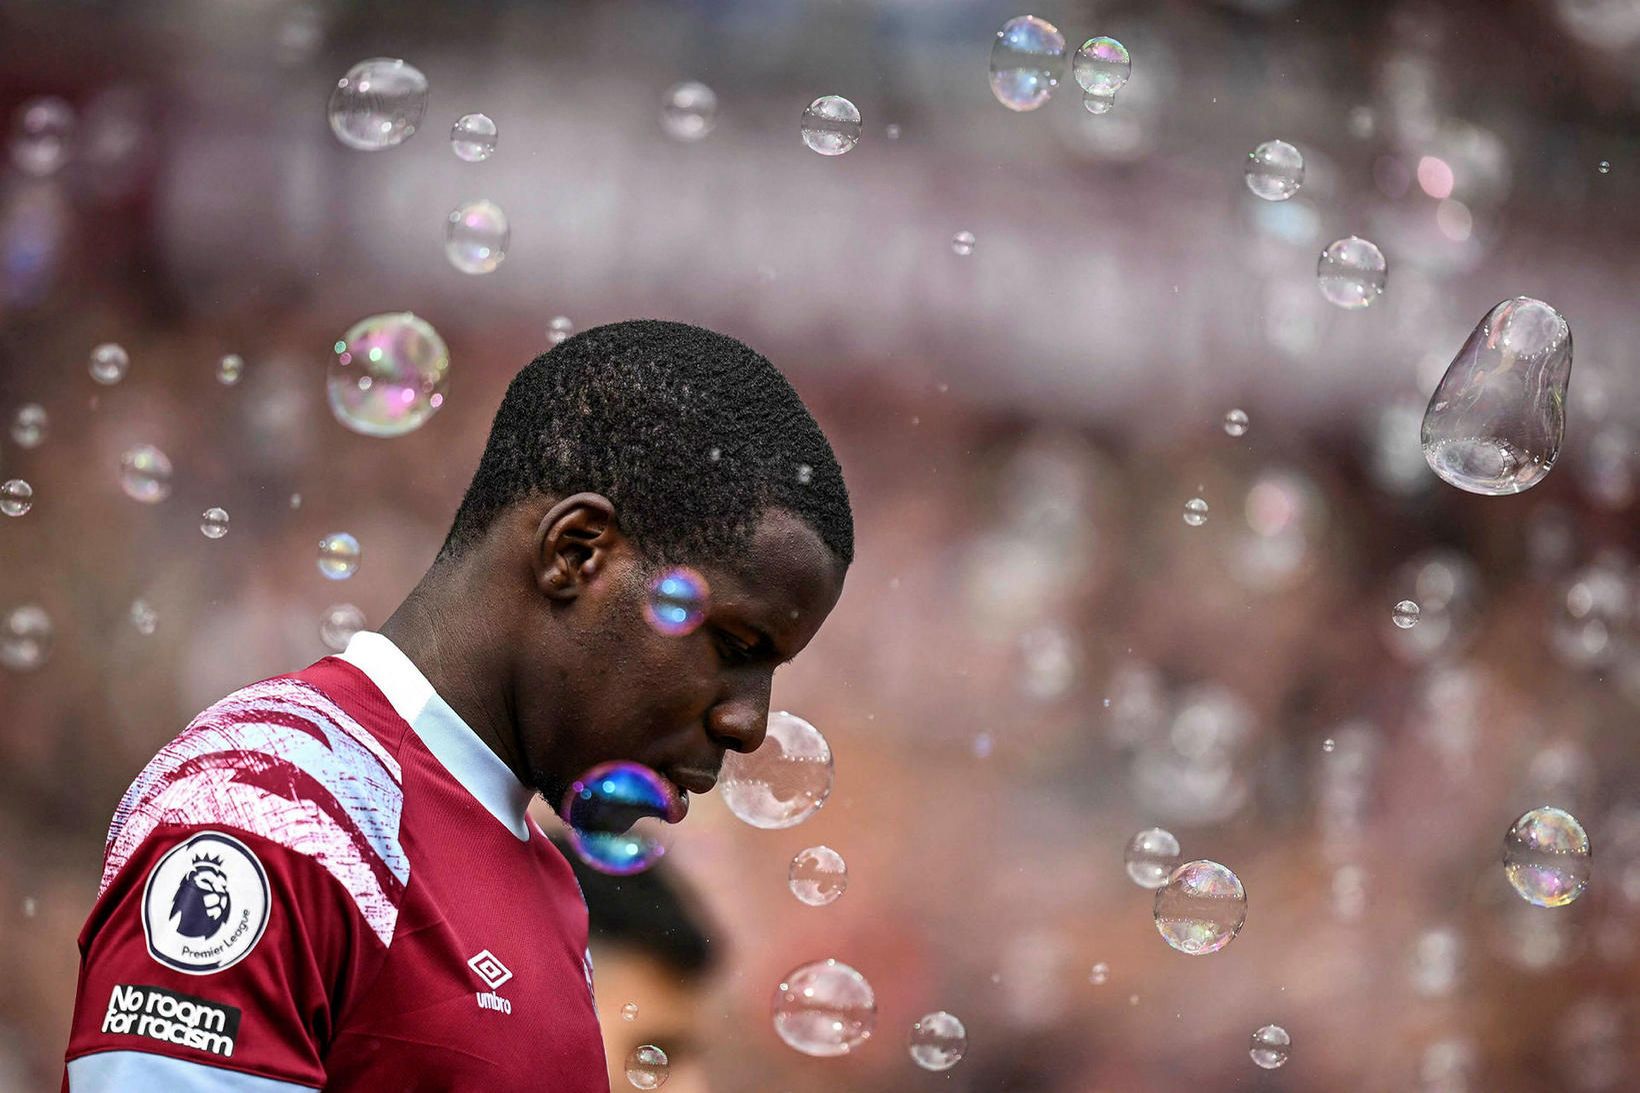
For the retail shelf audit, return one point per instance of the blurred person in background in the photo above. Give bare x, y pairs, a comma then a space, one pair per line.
653, 958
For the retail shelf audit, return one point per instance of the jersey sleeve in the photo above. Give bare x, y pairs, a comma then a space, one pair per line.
250, 890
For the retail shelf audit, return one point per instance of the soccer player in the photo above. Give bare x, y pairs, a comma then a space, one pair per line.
330, 880
651, 947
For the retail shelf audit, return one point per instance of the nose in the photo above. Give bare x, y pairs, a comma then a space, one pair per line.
741, 720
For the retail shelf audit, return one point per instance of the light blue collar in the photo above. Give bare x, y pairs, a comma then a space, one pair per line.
468, 759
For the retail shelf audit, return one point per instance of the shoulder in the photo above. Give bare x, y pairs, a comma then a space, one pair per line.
282, 760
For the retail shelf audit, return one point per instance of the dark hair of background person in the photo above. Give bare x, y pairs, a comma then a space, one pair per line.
647, 912
691, 434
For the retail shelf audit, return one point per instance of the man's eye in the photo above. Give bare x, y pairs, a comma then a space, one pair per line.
732, 649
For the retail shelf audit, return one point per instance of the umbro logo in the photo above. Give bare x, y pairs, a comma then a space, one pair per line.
488, 967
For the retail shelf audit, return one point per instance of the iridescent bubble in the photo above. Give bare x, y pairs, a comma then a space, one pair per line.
42, 135
783, 782
16, 497
378, 104
1351, 273
617, 814
25, 643
831, 125
229, 369
1201, 908
1101, 66
1151, 857
389, 375
1496, 420
338, 625
338, 556
1604, 167
629, 1012
1098, 102
818, 876
1405, 615
1099, 974
647, 1067
144, 617
145, 474
678, 600
962, 244
938, 1041
1195, 512
824, 1009
473, 138
1236, 422
213, 523
559, 330
688, 110
1026, 60
1269, 1046
476, 236
109, 363
30, 425
1546, 857
1275, 170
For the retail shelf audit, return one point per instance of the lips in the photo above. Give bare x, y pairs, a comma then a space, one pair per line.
686, 782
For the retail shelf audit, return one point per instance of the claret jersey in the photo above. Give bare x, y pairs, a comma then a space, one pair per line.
328, 881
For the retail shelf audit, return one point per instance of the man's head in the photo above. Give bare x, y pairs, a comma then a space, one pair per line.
624, 450
652, 958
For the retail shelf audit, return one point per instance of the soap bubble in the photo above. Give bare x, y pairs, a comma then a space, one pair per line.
1269, 1045
1099, 974
1151, 856
30, 425
42, 135
1195, 512
629, 1012
213, 524
378, 104
617, 814
145, 474
824, 1009
1026, 60
1097, 102
677, 602
229, 369
1351, 273
1496, 420
783, 782
144, 617
1236, 422
1405, 614
559, 330
1604, 167
1101, 66
962, 244
1275, 170
1546, 857
688, 110
338, 625
476, 236
647, 1067
938, 1041
1201, 908
338, 555
109, 363
16, 497
831, 125
472, 138
25, 642
389, 375
818, 876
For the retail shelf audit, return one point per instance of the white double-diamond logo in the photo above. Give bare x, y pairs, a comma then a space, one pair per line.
490, 969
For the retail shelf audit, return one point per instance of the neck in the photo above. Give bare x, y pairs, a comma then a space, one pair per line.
443, 626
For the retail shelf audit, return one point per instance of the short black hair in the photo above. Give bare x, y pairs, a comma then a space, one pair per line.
691, 434
648, 912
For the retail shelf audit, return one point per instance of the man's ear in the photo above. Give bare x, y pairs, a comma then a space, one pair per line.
573, 543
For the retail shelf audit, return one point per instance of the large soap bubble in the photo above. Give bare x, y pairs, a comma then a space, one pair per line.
783, 782
389, 375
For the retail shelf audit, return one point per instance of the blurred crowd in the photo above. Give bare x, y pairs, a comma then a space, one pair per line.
1035, 656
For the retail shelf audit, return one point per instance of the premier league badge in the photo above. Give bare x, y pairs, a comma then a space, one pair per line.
205, 905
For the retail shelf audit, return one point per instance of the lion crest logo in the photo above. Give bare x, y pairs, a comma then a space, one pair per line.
201, 903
